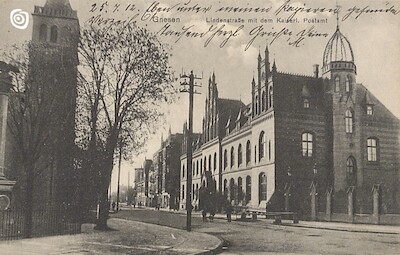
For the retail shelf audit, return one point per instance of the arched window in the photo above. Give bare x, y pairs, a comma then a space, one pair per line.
225, 159
337, 84
306, 103
232, 189
307, 144
53, 34
240, 189
209, 163
348, 84
351, 169
248, 189
271, 97
43, 33
372, 149
248, 152
262, 187
239, 155
215, 161
349, 121
264, 101
232, 157
261, 145
225, 187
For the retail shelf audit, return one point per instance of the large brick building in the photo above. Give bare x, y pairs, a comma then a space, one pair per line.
325, 129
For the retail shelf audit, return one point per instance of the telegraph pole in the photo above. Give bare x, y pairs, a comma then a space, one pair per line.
189, 88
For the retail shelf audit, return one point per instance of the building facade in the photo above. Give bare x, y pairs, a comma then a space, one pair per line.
324, 130
166, 165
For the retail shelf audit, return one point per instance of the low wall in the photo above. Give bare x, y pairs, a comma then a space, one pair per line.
385, 219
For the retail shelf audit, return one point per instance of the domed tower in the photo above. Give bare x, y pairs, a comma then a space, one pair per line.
340, 69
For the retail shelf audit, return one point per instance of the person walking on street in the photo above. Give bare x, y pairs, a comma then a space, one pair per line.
229, 212
204, 214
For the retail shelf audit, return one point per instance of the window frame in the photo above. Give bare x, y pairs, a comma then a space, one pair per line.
372, 149
307, 151
349, 121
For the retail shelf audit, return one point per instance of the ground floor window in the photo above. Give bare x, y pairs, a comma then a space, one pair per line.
248, 189
262, 187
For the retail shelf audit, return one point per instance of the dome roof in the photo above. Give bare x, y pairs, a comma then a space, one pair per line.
338, 49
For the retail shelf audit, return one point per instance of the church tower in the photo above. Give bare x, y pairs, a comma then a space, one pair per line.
339, 67
53, 61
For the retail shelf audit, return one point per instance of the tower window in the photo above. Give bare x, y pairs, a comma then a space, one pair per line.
264, 101
370, 110
337, 84
53, 34
307, 144
43, 33
306, 103
349, 121
372, 149
348, 84
270, 97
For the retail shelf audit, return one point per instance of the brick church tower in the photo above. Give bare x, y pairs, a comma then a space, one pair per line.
53, 61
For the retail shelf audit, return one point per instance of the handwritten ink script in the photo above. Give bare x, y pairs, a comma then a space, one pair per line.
291, 23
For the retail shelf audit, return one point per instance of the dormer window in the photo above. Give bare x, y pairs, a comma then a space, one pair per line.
370, 109
306, 103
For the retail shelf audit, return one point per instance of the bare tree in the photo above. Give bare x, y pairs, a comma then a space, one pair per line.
124, 79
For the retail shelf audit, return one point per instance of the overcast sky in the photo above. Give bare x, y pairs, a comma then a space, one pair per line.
373, 37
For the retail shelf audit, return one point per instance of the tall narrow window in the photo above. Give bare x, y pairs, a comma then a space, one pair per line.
43, 33
307, 144
372, 149
232, 190
53, 34
256, 104
197, 167
225, 187
269, 150
351, 170
205, 164
248, 152
348, 84
225, 159
183, 192
209, 163
183, 171
240, 189
349, 121
264, 101
215, 161
239, 155
248, 189
337, 84
201, 165
232, 157
261, 145
262, 187
271, 97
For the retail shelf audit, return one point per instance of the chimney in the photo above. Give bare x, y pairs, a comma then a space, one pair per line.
316, 70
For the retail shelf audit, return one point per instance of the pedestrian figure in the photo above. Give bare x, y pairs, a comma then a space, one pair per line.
212, 213
113, 205
204, 214
229, 212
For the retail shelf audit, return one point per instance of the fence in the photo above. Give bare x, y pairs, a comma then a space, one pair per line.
44, 223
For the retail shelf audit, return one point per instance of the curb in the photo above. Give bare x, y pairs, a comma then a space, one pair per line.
215, 250
341, 229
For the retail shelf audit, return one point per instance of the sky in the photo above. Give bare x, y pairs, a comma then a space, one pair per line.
374, 38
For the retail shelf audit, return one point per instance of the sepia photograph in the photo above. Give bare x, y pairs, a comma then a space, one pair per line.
199, 127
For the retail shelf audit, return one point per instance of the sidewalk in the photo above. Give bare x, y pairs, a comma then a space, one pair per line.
128, 237
336, 226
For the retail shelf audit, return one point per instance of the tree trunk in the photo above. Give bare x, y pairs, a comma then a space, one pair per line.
29, 201
104, 205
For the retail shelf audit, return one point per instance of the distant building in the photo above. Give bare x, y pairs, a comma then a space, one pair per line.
326, 130
166, 165
140, 186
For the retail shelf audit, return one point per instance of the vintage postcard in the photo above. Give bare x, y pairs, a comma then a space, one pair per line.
233, 127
